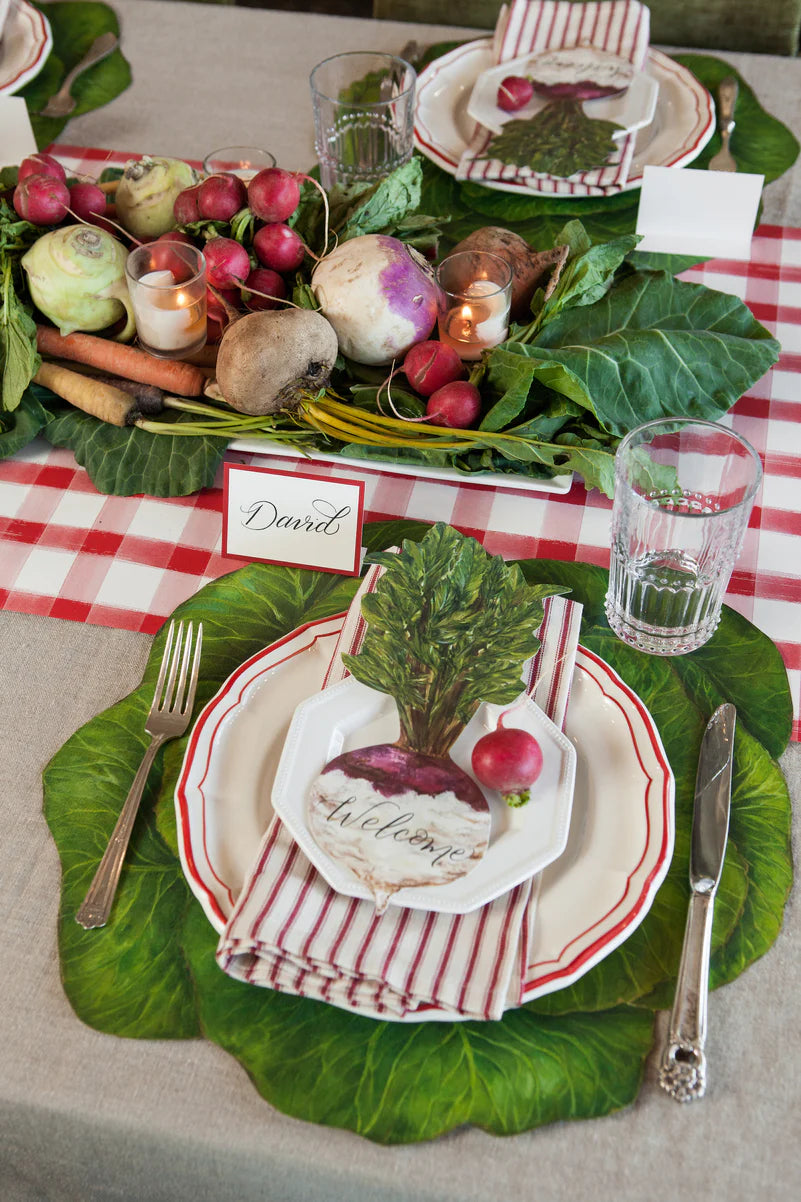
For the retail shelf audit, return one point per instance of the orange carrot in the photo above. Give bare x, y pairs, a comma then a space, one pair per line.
172, 375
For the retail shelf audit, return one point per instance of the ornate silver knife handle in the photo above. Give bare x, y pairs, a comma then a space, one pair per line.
682, 1070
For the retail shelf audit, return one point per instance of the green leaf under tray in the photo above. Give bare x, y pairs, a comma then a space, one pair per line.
576, 1053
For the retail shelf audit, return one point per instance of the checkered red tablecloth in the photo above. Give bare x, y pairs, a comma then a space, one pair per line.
68, 552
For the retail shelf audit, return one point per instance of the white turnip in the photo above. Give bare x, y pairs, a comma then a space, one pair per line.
227, 262
267, 359
273, 194
430, 365
456, 405
380, 296
398, 819
42, 199
279, 247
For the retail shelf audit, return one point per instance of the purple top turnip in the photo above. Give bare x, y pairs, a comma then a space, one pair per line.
379, 295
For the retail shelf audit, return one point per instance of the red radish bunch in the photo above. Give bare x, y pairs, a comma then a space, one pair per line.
42, 199
429, 365
273, 194
514, 93
456, 405
41, 164
87, 202
220, 197
510, 760
264, 289
227, 262
279, 247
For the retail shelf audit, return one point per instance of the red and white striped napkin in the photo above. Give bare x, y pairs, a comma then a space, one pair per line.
292, 932
621, 27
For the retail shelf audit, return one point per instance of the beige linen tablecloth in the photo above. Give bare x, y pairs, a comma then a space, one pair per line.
86, 1117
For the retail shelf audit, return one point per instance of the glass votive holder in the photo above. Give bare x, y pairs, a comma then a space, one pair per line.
476, 298
243, 161
167, 285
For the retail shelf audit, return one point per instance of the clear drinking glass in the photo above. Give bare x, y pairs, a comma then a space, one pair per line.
474, 305
683, 495
167, 286
363, 106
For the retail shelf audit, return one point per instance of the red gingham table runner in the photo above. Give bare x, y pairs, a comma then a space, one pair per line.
68, 552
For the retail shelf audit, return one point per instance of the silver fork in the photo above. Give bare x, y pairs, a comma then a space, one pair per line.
168, 718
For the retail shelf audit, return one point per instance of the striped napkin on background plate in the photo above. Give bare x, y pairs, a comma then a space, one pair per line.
621, 27
291, 931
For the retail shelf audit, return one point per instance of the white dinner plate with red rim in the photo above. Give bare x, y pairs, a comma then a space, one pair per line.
25, 45
683, 123
590, 900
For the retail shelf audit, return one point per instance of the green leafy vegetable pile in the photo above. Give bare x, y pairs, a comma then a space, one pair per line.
464, 621
575, 1053
620, 341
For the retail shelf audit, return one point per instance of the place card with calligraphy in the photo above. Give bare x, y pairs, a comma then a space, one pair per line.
293, 518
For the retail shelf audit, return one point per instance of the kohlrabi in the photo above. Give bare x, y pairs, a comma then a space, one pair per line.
76, 277
147, 193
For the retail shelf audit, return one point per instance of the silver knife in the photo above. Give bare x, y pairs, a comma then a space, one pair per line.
682, 1070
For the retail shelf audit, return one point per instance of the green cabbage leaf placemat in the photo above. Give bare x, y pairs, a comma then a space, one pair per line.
576, 1053
75, 25
761, 144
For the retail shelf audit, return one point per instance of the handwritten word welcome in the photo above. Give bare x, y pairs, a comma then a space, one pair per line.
374, 819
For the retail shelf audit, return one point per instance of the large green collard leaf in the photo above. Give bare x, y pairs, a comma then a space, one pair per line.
75, 25
651, 347
18, 428
125, 461
579, 1052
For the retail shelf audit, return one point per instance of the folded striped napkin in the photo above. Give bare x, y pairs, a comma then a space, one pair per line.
292, 932
621, 27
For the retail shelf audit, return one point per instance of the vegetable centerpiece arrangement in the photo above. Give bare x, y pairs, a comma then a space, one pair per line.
311, 301
467, 622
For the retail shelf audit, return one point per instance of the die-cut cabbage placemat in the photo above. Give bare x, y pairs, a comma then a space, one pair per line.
576, 1053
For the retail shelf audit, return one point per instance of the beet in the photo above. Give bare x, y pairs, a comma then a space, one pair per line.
398, 819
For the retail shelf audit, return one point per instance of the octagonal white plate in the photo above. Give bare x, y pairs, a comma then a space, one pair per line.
683, 122
25, 45
522, 841
591, 899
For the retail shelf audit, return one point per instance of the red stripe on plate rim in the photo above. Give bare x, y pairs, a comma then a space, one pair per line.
609, 939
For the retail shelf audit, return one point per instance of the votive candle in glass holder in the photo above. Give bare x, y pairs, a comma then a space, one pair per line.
167, 285
476, 298
243, 161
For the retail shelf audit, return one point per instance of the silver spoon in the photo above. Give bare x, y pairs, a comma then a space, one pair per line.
727, 93
61, 104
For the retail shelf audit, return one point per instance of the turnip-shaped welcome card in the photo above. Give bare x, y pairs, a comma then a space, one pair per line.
449, 627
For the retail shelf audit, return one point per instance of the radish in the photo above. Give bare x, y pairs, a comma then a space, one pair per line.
514, 93
273, 194
185, 206
398, 818
220, 197
227, 262
87, 202
510, 760
263, 289
279, 247
41, 164
429, 365
380, 296
456, 405
167, 255
42, 199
